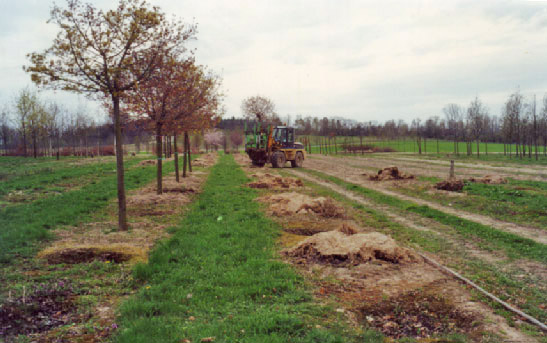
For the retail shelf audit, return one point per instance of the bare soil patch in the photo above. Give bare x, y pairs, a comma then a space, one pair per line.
269, 181
416, 314
43, 308
451, 185
342, 249
84, 254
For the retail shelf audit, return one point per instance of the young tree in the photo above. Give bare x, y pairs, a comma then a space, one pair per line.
453, 115
214, 138
260, 108
5, 128
36, 123
476, 113
236, 138
108, 53
25, 103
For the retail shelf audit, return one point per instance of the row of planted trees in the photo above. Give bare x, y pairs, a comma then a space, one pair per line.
520, 125
137, 62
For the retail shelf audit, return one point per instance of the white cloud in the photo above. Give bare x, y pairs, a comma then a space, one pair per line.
364, 60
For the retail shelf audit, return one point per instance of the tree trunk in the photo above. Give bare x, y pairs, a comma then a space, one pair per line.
159, 148
176, 157
122, 212
187, 140
477, 148
24, 139
34, 153
185, 159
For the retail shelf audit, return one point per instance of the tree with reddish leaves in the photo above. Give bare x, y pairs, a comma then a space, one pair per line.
153, 104
177, 99
236, 138
198, 107
106, 54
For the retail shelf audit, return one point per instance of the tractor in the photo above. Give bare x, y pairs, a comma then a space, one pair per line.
274, 145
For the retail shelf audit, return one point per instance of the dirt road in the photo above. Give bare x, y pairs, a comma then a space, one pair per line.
438, 169
540, 171
347, 172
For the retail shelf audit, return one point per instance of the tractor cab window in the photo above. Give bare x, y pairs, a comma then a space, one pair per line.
279, 135
290, 135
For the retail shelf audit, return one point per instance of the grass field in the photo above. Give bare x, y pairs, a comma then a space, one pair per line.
217, 277
431, 148
212, 265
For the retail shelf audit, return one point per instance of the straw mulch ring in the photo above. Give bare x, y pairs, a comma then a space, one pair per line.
344, 248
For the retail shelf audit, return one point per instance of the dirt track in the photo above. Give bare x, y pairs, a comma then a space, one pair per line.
435, 168
354, 175
515, 169
363, 283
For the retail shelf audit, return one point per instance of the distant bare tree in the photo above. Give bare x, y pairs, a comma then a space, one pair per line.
5, 128
260, 108
454, 115
476, 112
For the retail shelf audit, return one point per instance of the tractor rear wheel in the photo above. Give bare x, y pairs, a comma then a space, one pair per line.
278, 159
298, 160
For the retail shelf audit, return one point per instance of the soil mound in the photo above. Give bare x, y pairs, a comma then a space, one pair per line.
489, 179
274, 181
337, 248
452, 185
85, 254
285, 204
390, 173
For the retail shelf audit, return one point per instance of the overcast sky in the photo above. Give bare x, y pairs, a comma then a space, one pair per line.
365, 60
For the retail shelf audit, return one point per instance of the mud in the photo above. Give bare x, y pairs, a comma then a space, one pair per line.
340, 249
270, 181
286, 204
451, 185
390, 173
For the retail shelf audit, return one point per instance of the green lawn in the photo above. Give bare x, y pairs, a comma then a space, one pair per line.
218, 276
22, 225
57, 179
431, 148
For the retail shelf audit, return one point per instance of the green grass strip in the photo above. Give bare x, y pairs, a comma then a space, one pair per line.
48, 176
514, 245
23, 225
220, 268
